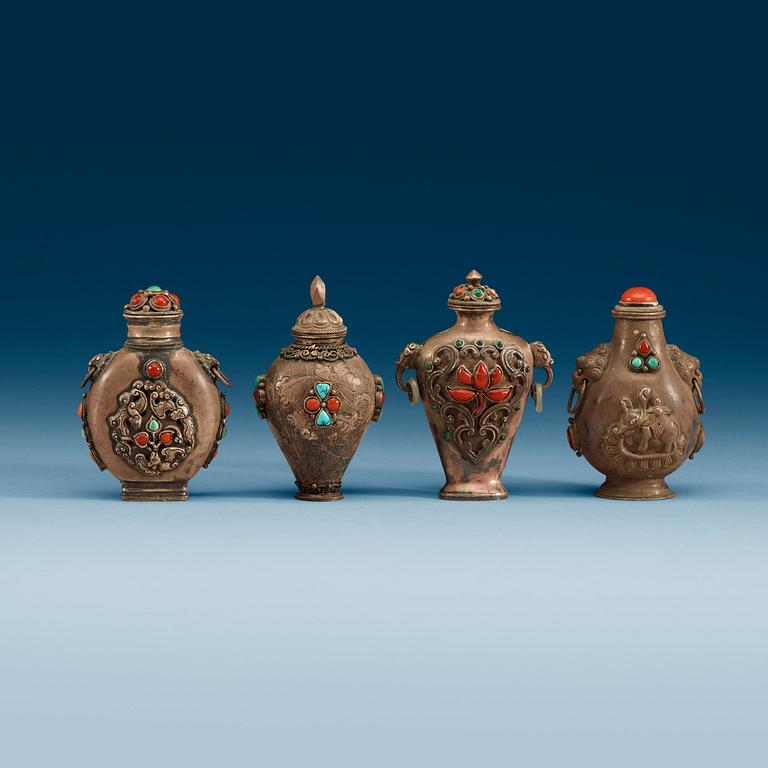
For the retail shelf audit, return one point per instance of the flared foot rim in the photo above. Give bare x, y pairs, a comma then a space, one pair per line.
472, 495
318, 496
656, 490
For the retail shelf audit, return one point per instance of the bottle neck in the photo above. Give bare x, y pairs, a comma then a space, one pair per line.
164, 331
324, 340
153, 336
627, 333
474, 322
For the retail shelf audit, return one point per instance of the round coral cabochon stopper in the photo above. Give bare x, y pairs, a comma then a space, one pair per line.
638, 295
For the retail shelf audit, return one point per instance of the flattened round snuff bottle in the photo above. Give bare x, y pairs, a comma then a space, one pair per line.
318, 398
474, 379
153, 415
636, 403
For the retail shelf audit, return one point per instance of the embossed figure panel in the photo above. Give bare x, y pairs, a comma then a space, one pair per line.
646, 437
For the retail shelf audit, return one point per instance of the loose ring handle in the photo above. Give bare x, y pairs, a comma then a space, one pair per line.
580, 392
550, 376
698, 398
538, 387
542, 359
409, 358
537, 393
412, 390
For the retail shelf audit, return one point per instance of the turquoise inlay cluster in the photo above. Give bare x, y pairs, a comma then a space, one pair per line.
643, 358
321, 404
499, 344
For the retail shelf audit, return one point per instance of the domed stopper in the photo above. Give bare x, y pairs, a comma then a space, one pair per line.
638, 295
472, 295
153, 305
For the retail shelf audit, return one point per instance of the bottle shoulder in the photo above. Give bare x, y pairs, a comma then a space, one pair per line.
459, 336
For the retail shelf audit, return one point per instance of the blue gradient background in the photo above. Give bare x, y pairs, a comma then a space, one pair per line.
566, 159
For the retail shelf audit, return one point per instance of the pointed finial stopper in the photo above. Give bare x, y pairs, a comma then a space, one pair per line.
474, 277
317, 292
319, 323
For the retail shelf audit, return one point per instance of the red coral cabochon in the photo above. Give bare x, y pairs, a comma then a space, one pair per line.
638, 295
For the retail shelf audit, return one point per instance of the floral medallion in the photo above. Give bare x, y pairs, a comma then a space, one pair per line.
322, 404
476, 388
152, 428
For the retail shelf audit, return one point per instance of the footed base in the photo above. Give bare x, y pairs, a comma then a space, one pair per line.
149, 491
473, 492
318, 496
318, 491
645, 489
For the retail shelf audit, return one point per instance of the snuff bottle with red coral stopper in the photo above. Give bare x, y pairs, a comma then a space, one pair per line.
636, 403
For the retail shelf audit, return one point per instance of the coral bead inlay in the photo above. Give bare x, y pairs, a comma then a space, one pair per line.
322, 405
153, 300
479, 386
643, 359
154, 369
152, 428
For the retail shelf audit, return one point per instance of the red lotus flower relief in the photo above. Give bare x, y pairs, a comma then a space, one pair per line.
479, 385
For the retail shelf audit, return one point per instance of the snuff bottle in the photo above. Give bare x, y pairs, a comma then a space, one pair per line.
636, 403
318, 398
474, 380
152, 414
